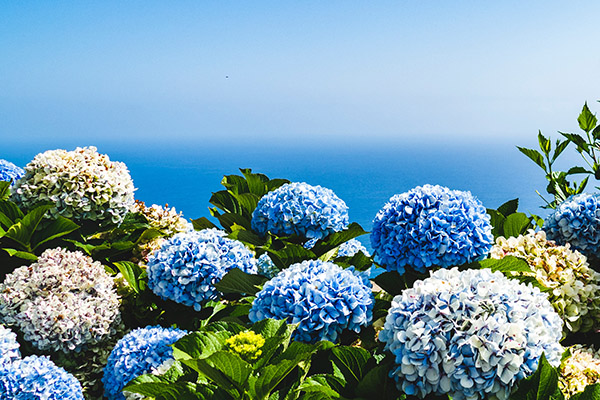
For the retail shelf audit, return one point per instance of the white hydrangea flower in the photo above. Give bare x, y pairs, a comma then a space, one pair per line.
581, 369
165, 219
84, 185
575, 287
62, 302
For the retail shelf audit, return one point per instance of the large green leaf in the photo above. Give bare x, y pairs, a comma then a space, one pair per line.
202, 223
319, 384
352, 361
290, 254
591, 392
21, 254
582, 145
59, 227
377, 380
497, 221
9, 213
157, 388
587, 120
235, 184
237, 281
22, 231
509, 207
133, 274
228, 220
225, 369
225, 201
269, 377
196, 345
4, 190
391, 281
542, 385
257, 183
506, 264
534, 155
335, 239
516, 224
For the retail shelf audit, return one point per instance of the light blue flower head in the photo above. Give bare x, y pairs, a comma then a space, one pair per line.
576, 221
141, 351
351, 247
300, 209
187, 266
472, 334
9, 171
37, 378
9, 347
266, 267
323, 298
431, 226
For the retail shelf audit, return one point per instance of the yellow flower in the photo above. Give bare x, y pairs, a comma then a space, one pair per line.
246, 344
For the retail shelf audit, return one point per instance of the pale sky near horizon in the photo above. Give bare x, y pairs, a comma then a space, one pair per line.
342, 70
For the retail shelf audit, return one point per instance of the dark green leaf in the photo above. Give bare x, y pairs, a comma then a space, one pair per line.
247, 237
262, 385
22, 231
133, 274
319, 384
560, 147
227, 220
544, 144
391, 281
335, 239
290, 254
226, 202
202, 223
352, 361
275, 183
534, 155
516, 224
248, 201
360, 261
578, 170
4, 190
59, 227
509, 207
11, 213
587, 120
578, 140
21, 254
497, 221
235, 184
543, 384
197, 345
377, 380
257, 183
237, 281
155, 387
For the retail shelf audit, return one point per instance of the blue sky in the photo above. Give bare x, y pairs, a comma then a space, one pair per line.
346, 71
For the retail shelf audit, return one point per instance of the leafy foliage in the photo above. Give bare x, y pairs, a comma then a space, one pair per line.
507, 221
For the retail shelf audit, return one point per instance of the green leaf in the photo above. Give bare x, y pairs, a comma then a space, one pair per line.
257, 183
275, 183
578, 170
196, 345
133, 274
335, 239
225, 201
237, 281
542, 385
225, 369
560, 147
497, 221
579, 141
9, 213
154, 387
535, 156
21, 254
320, 384
59, 227
587, 120
391, 281
270, 376
235, 184
352, 361
545, 144
516, 224
22, 231
591, 392
248, 201
202, 223
360, 261
509, 207
246, 236
377, 380
227, 220
5, 190
290, 254
506, 264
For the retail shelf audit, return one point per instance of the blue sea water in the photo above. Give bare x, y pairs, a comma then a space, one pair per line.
364, 175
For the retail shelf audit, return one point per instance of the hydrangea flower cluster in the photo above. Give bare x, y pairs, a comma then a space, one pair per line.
10, 172
577, 221
575, 287
581, 369
37, 378
246, 344
431, 226
9, 347
84, 185
323, 298
141, 351
188, 265
471, 334
300, 209
62, 302
351, 247
266, 266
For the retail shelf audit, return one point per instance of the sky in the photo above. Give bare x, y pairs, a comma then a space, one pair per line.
334, 72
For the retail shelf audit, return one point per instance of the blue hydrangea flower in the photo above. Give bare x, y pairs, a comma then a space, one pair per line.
431, 226
323, 298
9, 171
141, 351
576, 221
266, 267
188, 265
351, 247
9, 347
300, 209
472, 334
35, 378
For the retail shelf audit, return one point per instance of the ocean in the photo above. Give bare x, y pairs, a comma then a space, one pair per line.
364, 175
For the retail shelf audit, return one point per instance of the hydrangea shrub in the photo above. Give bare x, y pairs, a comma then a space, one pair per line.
580, 369
37, 378
83, 184
10, 172
312, 212
62, 302
575, 287
188, 265
9, 347
431, 226
323, 298
141, 351
577, 221
472, 334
